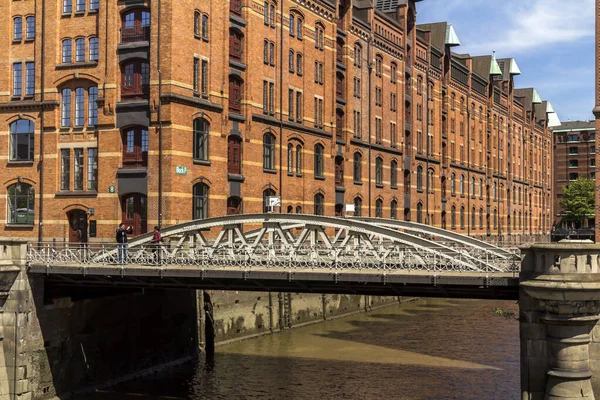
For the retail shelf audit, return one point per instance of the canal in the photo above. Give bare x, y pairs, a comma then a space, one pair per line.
430, 349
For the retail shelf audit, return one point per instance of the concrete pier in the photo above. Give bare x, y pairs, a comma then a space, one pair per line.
559, 312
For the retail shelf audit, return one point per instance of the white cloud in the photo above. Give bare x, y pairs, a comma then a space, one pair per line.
523, 26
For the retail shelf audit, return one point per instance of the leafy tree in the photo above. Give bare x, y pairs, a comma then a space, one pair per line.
578, 200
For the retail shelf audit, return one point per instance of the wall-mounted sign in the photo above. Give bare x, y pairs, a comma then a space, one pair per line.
111, 189
180, 170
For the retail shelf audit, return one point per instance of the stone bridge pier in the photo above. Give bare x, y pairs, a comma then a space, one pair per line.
559, 301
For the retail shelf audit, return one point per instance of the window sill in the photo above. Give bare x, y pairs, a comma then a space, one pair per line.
18, 226
77, 193
269, 171
419, 190
77, 64
236, 116
202, 162
394, 186
17, 41
235, 177
319, 177
358, 183
19, 163
379, 185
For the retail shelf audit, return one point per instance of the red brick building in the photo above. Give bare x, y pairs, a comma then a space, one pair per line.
321, 103
574, 157
596, 112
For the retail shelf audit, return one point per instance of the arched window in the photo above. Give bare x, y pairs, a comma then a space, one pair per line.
378, 65
394, 173
93, 51
319, 160
21, 203
393, 69
236, 87
292, 59
266, 194
21, 140
79, 106
299, 64
357, 167
319, 36
201, 134
494, 192
430, 182
135, 147
66, 108
66, 51
462, 185
319, 201
290, 155
473, 218
135, 80
462, 217
299, 28
79, 50
378, 208
200, 201
269, 151
453, 217
135, 26
379, 171
480, 188
358, 55
357, 206
234, 155
236, 47
419, 213
134, 212
419, 178
205, 26
453, 184
394, 209
298, 160
481, 218
234, 205
197, 24
18, 28
30, 27
495, 219
292, 23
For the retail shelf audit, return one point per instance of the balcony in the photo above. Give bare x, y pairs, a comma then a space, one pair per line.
135, 33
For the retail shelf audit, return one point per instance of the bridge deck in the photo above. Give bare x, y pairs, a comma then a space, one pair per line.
318, 280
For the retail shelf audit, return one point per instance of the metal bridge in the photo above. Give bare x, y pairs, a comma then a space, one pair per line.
291, 253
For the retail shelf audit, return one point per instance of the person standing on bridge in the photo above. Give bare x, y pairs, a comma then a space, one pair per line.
122, 243
156, 245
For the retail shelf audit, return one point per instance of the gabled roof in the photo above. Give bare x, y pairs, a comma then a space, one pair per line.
442, 34
530, 96
575, 125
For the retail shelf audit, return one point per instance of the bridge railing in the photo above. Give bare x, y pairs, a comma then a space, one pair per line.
267, 255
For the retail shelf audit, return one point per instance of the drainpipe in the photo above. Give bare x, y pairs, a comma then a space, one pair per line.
469, 161
427, 149
370, 68
160, 126
281, 108
41, 162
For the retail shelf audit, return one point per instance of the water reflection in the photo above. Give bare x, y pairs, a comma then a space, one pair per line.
435, 349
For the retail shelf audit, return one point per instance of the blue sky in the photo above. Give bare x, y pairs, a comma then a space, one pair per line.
551, 40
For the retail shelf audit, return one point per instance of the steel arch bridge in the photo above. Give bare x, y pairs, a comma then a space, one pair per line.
261, 251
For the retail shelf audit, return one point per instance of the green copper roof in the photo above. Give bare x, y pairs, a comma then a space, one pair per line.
513, 69
451, 36
536, 99
494, 67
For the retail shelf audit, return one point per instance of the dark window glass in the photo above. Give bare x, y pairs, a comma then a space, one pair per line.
21, 203
18, 28
319, 160
319, 201
268, 151
21, 140
65, 169
201, 135
200, 201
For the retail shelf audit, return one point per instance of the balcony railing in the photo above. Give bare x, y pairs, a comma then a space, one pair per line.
135, 34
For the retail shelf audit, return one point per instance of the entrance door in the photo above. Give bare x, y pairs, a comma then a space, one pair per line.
135, 212
77, 226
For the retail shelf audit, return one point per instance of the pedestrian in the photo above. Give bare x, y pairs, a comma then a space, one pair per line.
121, 236
156, 245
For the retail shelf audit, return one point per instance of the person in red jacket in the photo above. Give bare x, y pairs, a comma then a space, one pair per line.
156, 244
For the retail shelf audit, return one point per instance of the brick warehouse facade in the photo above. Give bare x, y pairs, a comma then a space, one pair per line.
596, 112
320, 103
574, 157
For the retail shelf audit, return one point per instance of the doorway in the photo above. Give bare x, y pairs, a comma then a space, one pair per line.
135, 211
77, 226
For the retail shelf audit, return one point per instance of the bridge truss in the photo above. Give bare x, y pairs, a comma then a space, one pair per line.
295, 241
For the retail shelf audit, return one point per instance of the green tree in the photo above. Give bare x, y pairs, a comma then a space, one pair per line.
578, 200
